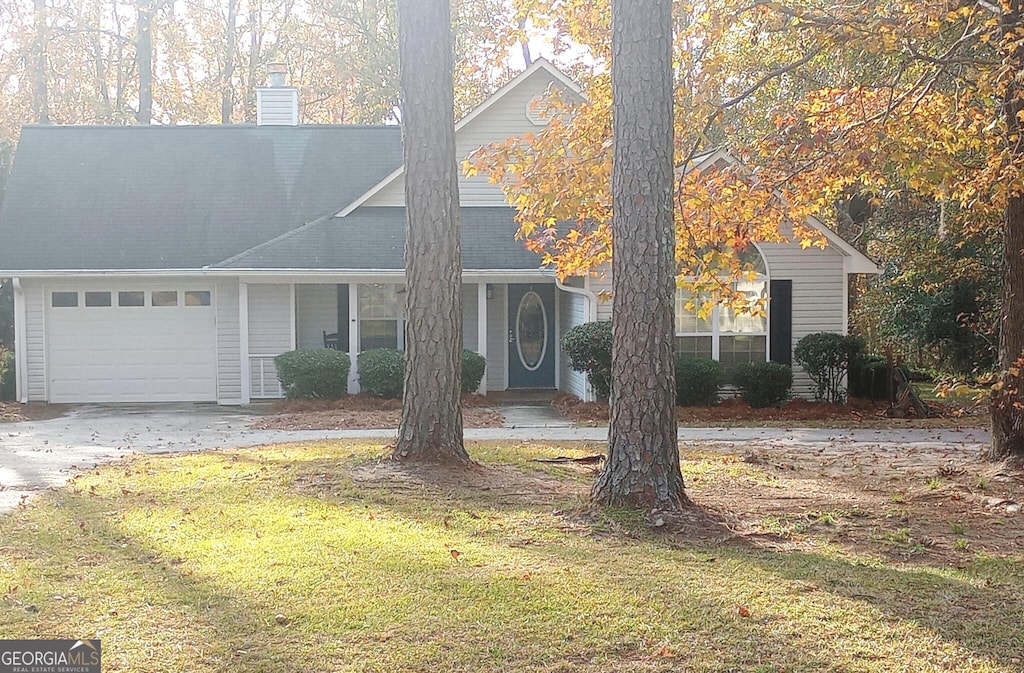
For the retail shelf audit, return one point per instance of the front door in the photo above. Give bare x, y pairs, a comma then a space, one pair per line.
531, 336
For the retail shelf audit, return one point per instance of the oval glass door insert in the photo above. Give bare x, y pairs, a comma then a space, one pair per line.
531, 331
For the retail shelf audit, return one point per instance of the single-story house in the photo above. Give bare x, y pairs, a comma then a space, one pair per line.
173, 263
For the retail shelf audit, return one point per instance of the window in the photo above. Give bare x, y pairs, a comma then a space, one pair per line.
165, 298
64, 299
197, 298
97, 299
131, 298
727, 335
381, 322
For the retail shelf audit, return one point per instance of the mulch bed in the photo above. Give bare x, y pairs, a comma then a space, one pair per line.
12, 412
734, 411
362, 412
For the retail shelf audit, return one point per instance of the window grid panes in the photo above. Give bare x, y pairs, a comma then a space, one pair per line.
687, 319
738, 322
64, 299
381, 316
727, 335
95, 299
165, 298
378, 334
734, 349
131, 298
694, 346
197, 298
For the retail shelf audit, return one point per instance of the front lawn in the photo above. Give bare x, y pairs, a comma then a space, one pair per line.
319, 557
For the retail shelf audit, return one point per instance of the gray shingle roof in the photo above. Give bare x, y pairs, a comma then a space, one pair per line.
374, 238
177, 197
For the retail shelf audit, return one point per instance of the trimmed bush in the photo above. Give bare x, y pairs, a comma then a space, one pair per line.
589, 347
826, 358
321, 372
8, 383
382, 372
763, 384
473, 366
697, 381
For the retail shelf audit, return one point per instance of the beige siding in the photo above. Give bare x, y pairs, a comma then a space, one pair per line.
269, 335
229, 366
818, 289
35, 339
497, 337
316, 312
601, 286
573, 311
505, 119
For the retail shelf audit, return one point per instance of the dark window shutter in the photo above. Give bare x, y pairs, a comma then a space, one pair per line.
343, 317
780, 315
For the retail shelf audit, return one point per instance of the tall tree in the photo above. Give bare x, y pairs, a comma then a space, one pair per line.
227, 93
431, 424
1008, 400
38, 64
643, 454
144, 59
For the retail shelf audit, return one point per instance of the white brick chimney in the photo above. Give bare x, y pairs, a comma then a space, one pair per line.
277, 104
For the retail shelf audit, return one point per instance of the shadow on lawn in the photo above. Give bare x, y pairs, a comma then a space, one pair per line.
978, 607
156, 607
232, 630
972, 608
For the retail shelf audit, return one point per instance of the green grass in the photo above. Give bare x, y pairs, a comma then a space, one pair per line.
287, 559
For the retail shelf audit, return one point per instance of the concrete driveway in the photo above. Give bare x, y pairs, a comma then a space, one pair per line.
43, 454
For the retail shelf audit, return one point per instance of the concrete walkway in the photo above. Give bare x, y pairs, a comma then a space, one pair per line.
43, 454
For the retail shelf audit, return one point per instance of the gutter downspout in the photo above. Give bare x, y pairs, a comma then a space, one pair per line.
20, 359
590, 311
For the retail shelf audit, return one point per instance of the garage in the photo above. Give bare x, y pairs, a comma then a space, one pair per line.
131, 345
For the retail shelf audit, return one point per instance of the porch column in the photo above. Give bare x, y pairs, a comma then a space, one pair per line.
20, 355
243, 342
481, 331
353, 337
293, 317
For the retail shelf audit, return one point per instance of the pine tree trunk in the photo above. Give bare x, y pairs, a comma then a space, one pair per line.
1008, 403
642, 469
144, 59
227, 92
431, 426
38, 65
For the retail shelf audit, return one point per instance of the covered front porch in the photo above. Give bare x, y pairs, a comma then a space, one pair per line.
514, 321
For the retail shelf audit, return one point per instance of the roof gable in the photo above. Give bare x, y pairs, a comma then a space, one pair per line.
858, 262
538, 76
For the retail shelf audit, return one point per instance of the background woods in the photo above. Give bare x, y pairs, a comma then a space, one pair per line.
199, 61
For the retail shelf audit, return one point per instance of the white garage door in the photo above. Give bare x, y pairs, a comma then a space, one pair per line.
131, 345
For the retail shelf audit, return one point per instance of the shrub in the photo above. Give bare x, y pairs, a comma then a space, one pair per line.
697, 381
382, 372
589, 347
473, 366
763, 384
8, 385
826, 357
321, 372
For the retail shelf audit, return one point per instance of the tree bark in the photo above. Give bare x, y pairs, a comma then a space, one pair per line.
1008, 403
642, 469
144, 59
227, 101
37, 65
431, 425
